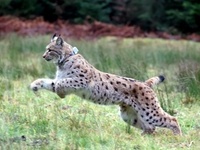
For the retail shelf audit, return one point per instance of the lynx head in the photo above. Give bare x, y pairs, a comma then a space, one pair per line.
57, 50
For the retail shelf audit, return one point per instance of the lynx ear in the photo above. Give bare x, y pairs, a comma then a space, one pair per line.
52, 38
59, 41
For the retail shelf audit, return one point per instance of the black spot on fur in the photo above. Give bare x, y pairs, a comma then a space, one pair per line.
125, 79
135, 121
134, 90
115, 89
126, 93
131, 80
81, 75
124, 84
118, 82
107, 76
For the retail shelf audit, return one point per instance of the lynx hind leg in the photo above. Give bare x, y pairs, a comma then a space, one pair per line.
167, 121
146, 127
156, 117
130, 116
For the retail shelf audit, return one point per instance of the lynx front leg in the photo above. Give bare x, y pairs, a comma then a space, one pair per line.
48, 84
66, 86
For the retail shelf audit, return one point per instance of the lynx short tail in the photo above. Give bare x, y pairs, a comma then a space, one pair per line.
155, 81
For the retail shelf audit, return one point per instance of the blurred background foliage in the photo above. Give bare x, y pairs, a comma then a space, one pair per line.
173, 16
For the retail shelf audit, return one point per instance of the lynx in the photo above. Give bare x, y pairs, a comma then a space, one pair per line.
139, 105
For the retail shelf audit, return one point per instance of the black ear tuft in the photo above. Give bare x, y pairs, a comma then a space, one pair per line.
53, 37
59, 41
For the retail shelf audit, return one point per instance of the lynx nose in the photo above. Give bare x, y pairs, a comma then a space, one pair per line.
44, 56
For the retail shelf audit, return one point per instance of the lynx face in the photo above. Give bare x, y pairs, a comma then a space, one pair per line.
57, 50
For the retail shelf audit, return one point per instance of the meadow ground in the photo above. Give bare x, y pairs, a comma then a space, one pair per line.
44, 121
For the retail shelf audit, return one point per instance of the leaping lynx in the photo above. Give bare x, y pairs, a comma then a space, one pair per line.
138, 103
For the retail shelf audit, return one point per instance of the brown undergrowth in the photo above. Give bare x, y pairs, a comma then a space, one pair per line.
96, 29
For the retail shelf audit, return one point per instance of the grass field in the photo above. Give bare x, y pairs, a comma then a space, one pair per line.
44, 121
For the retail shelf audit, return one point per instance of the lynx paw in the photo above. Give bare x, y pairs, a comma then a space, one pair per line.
36, 85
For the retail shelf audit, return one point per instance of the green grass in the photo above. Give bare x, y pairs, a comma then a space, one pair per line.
44, 121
